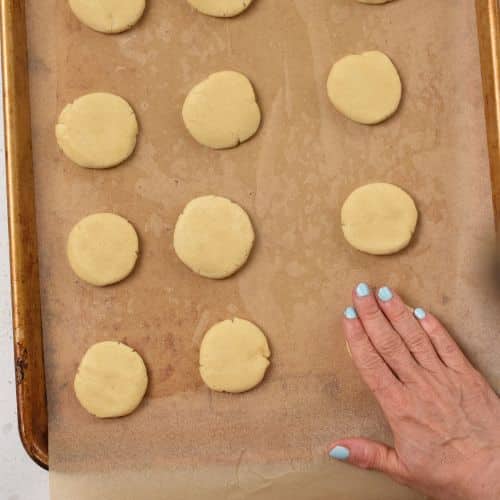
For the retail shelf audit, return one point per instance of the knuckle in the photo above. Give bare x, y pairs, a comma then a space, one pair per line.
373, 318
370, 458
385, 389
449, 348
417, 343
436, 331
477, 384
371, 362
356, 334
390, 345
357, 343
400, 314
372, 313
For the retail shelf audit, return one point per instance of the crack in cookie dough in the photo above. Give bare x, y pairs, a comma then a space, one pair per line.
108, 16
220, 8
97, 130
234, 356
222, 111
374, 2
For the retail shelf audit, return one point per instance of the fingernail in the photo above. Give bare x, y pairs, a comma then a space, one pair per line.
362, 290
350, 313
385, 294
339, 453
419, 313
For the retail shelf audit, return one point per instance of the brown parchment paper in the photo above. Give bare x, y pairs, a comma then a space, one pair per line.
186, 442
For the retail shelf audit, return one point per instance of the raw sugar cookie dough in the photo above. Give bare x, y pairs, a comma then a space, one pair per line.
234, 356
379, 219
103, 249
220, 8
108, 16
97, 130
213, 237
111, 380
366, 87
221, 112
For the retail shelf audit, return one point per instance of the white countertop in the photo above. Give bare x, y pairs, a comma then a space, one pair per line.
20, 478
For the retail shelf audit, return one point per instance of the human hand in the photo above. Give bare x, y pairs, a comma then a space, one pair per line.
444, 416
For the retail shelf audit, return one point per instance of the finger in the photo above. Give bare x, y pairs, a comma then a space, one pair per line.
386, 341
374, 371
367, 454
406, 324
446, 347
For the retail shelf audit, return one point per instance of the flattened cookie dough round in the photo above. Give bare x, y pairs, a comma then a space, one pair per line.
111, 380
97, 130
220, 8
234, 356
103, 249
366, 87
108, 16
213, 237
222, 111
379, 219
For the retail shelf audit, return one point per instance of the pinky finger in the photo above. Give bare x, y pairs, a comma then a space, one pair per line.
446, 347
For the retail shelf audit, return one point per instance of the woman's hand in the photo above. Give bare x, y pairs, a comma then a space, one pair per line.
444, 416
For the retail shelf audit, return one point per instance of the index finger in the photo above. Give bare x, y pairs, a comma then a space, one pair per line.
373, 369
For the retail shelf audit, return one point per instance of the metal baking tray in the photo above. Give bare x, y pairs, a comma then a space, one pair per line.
27, 319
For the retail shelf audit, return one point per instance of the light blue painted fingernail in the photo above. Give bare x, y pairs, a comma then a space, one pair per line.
419, 313
362, 290
350, 313
340, 453
385, 294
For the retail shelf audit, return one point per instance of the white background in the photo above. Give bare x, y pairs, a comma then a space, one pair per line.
20, 478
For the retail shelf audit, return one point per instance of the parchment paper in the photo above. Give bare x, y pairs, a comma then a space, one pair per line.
186, 442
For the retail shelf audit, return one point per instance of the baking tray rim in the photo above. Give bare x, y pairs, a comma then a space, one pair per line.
26, 305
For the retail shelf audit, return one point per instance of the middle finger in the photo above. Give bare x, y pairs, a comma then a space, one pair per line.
405, 323
385, 339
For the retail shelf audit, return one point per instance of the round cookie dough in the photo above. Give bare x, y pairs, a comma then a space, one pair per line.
103, 249
220, 8
234, 356
366, 87
221, 112
97, 130
108, 16
111, 380
379, 219
213, 237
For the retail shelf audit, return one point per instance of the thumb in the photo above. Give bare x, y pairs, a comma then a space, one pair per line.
368, 454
